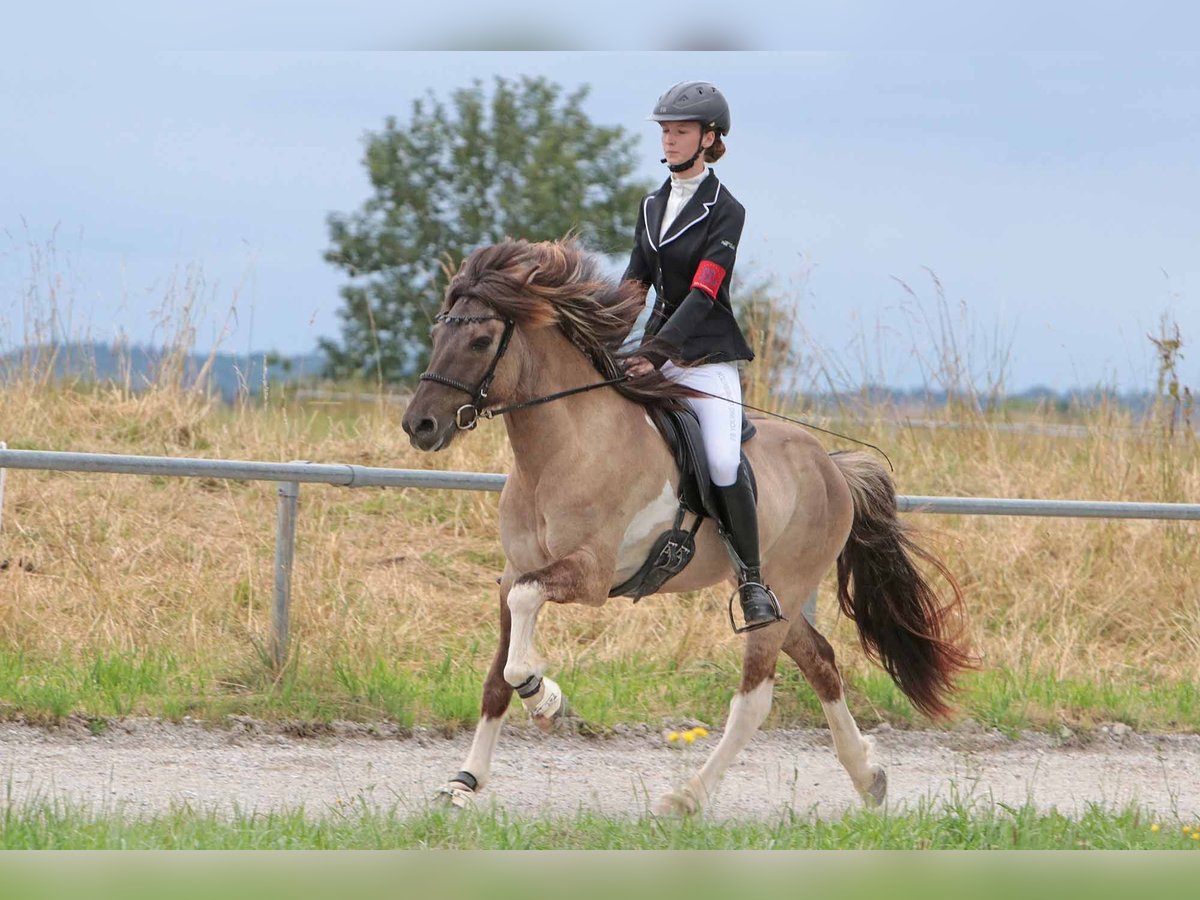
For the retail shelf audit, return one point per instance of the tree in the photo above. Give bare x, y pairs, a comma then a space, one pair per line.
523, 162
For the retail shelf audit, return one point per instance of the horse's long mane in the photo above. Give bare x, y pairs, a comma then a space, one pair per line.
559, 283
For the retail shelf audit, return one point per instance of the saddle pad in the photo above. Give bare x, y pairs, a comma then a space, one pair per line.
681, 430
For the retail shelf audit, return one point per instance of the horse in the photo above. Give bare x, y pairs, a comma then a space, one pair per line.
534, 332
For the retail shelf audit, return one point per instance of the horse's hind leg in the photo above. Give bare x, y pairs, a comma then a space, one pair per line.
497, 694
747, 711
812, 653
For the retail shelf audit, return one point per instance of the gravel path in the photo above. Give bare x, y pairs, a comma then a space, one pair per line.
146, 766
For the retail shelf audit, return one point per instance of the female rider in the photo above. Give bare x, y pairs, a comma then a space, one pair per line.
684, 245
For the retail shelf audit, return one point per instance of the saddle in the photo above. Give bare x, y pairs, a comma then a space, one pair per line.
674, 549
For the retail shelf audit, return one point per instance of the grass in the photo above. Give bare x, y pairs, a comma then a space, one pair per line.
605, 693
954, 825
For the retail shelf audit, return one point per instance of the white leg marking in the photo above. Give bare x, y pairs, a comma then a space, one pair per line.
746, 714
524, 603
479, 760
853, 750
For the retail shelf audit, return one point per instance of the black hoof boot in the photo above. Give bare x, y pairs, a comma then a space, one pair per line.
760, 606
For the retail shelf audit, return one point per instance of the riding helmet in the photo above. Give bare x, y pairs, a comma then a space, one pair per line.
693, 101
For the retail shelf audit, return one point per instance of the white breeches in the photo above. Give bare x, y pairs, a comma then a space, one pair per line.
720, 420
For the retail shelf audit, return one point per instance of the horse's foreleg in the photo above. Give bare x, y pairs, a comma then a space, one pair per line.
577, 577
812, 653
747, 711
497, 694
540, 695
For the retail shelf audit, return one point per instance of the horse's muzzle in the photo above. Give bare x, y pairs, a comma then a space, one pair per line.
427, 433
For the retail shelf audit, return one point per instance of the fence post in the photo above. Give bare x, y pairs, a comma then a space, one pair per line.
3, 446
285, 545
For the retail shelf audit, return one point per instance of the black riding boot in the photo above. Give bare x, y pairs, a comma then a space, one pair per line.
740, 523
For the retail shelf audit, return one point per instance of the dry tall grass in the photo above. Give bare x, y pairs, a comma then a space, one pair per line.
185, 566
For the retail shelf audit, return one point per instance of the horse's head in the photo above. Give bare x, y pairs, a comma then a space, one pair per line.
501, 296
471, 366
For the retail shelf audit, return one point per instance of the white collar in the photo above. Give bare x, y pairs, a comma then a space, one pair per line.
689, 183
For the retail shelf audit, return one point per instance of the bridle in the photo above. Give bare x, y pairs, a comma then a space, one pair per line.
467, 416
479, 393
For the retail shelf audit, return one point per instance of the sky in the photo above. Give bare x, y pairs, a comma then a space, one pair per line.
1052, 195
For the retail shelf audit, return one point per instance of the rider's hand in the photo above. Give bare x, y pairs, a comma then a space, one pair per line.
637, 366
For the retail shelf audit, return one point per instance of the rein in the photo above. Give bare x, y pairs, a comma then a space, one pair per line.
501, 410
479, 393
473, 411
801, 422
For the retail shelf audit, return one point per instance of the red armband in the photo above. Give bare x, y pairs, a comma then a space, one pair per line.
708, 278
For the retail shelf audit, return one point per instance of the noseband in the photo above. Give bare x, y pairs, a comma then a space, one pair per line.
467, 415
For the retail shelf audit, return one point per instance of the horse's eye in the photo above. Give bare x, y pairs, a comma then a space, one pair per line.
481, 343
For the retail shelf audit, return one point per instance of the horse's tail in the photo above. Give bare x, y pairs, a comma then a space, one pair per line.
902, 622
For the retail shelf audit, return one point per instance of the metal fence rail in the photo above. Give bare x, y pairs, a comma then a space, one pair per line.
241, 470
345, 475
293, 474
1067, 509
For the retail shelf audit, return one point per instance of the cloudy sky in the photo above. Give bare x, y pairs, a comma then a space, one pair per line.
1053, 195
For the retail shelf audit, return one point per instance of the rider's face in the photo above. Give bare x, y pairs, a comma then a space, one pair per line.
679, 140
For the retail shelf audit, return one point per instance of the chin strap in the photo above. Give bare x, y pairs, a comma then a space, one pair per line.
683, 166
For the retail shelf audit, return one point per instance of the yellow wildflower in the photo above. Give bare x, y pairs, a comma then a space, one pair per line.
689, 736
700, 732
1196, 835
673, 736
1187, 829
1155, 828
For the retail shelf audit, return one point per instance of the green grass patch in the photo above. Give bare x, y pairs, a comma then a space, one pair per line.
104, 685
444, 692
955, 825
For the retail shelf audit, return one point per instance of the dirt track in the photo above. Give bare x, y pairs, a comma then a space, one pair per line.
144, 766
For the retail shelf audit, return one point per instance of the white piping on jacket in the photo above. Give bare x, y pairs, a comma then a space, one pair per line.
646, 217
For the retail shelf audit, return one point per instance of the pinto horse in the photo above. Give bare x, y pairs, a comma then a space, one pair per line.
526, 330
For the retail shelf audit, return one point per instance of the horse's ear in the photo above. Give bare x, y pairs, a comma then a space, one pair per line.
449, 269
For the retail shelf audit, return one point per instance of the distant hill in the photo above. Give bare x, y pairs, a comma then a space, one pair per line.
229, 374
876, 395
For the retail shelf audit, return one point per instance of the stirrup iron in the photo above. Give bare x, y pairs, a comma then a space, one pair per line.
776, 611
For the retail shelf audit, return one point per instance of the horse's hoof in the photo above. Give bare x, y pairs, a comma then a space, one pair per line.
454, 795
550, 722
876, 792
564, 719
679, 804
551, 708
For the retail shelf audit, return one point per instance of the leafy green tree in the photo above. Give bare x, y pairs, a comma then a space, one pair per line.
522, 160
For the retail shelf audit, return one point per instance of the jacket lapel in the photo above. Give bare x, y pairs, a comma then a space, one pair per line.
695, 210
655, 206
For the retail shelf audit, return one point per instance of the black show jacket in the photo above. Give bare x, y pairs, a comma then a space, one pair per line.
690, 269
